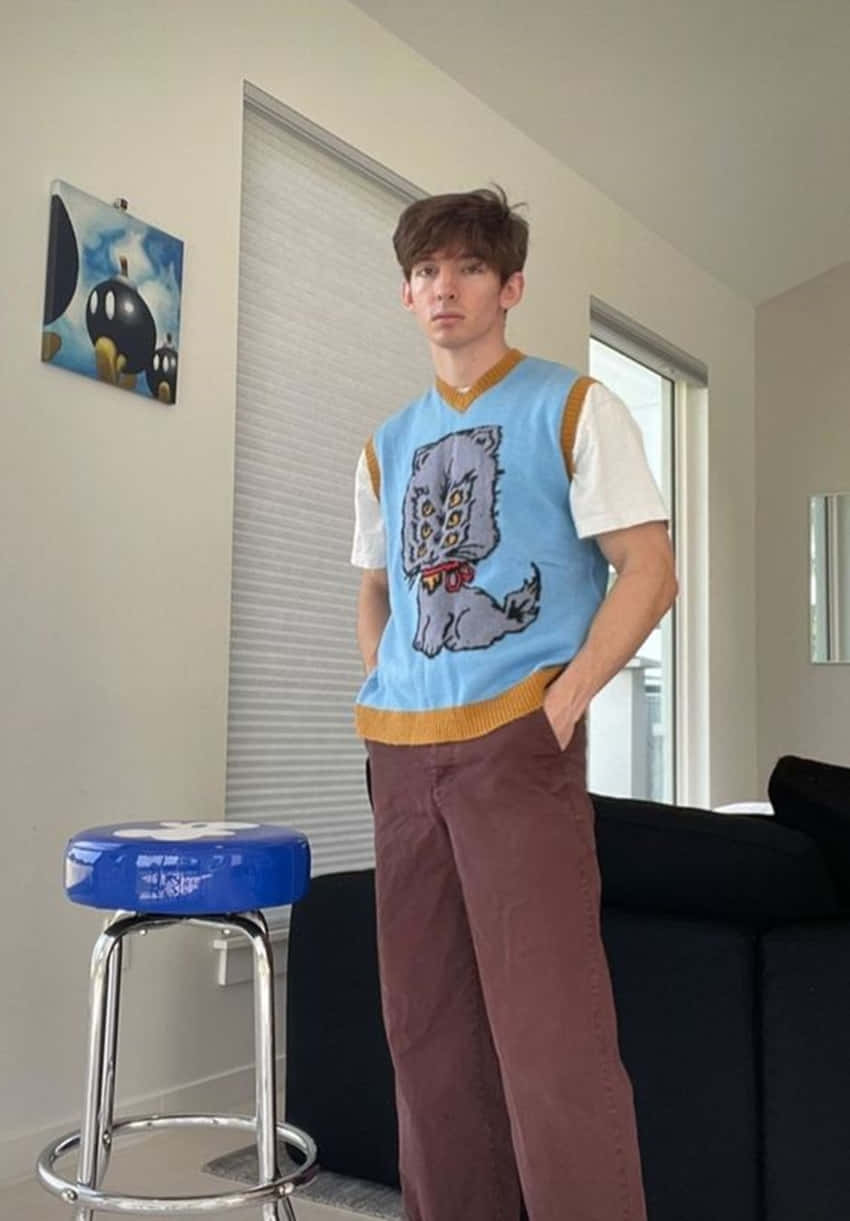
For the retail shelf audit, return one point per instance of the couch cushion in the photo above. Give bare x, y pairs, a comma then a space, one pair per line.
815, 797
685, 992
805, 999
749, 868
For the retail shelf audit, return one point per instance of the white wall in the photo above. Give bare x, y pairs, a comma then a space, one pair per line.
115, 514
803, 447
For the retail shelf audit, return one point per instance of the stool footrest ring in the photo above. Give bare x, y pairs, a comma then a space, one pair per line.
89, 1197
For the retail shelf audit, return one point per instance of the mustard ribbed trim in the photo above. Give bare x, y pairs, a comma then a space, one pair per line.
461, 399
569, 421
454, 724
374, 468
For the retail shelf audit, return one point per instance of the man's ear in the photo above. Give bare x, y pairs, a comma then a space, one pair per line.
406, 295
512, 290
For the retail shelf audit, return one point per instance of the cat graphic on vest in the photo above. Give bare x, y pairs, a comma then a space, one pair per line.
449, 526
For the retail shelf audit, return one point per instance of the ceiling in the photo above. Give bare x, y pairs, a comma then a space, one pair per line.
722, 125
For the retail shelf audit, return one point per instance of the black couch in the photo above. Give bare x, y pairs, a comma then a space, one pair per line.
728, 938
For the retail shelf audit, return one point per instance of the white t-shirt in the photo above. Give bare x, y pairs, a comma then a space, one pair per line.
612, 486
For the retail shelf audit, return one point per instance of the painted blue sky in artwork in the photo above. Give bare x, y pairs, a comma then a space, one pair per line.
154, 266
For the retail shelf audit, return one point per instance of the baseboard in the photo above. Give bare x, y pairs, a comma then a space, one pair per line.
223, 1093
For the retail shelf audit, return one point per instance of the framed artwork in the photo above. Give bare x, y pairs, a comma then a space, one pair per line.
112, 295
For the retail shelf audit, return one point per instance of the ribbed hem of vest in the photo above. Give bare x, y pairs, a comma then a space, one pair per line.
423, 728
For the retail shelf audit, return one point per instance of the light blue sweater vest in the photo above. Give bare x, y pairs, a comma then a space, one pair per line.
491, 590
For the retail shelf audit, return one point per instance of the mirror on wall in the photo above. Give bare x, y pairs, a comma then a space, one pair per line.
829, 584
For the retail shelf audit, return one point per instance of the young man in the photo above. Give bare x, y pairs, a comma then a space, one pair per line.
488, 511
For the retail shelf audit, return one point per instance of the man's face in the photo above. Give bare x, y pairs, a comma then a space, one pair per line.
458, 299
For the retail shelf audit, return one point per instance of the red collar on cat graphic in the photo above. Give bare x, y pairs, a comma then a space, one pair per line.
458, 573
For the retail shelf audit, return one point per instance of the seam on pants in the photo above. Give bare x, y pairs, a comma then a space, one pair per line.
484, 1109
480, 1016
622, 1176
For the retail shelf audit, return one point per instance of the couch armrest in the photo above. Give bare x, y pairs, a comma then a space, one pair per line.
815, 797
686, 862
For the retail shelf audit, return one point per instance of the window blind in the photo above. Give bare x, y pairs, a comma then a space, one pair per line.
325, 353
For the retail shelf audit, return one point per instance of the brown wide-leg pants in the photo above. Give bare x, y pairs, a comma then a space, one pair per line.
495, 987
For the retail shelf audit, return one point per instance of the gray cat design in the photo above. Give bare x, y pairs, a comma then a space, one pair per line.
449, 526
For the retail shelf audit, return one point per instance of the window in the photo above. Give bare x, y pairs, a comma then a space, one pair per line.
634, 721
318, 281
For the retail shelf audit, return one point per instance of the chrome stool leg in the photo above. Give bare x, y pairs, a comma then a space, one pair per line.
110, 1059
104, 989
253, 925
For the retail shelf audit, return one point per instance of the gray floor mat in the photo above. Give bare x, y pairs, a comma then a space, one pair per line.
356, 1195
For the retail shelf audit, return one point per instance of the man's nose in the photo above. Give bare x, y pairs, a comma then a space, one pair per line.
445, 285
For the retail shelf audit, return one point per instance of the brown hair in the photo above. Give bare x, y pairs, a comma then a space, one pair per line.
480, 223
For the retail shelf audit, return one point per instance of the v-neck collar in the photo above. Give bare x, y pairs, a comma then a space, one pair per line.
461, 399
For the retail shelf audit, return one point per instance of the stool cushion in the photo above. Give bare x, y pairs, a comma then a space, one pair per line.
187, 868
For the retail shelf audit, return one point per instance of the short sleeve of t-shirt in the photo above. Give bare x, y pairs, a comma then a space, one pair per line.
369, 548
612, 485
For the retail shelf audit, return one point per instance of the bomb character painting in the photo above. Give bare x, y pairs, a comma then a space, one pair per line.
112, 296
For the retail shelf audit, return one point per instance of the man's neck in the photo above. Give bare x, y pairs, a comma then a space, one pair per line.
462, 367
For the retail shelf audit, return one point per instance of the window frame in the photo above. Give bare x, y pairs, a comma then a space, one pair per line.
689, 377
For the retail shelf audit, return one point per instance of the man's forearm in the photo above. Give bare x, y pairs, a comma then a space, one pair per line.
636, 603
373, 611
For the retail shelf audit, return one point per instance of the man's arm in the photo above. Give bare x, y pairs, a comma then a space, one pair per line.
373, 611
644, 591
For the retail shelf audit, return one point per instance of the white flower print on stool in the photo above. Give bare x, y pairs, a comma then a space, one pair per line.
185, 830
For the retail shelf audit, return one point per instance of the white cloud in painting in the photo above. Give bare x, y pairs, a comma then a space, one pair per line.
162, 297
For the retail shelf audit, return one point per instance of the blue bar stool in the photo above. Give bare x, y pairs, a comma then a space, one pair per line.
152, 875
